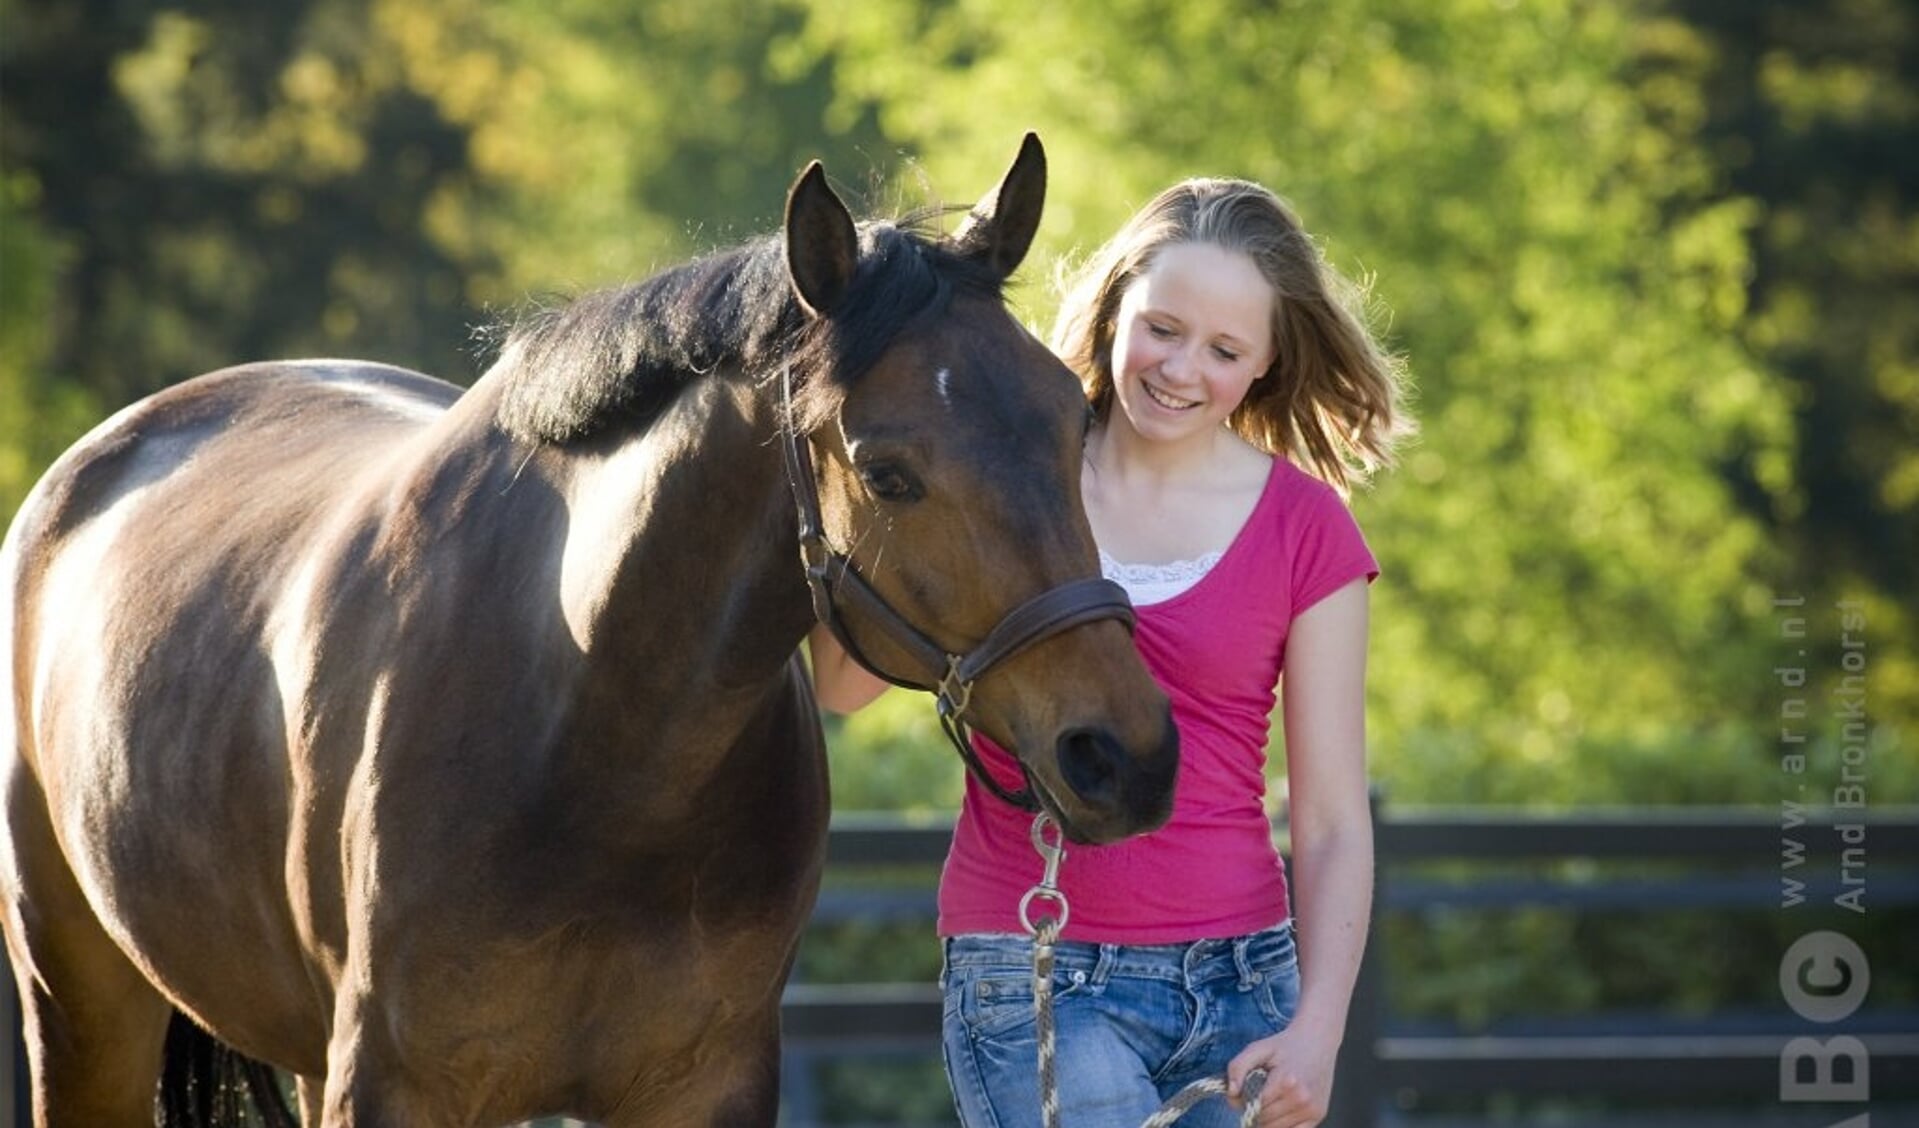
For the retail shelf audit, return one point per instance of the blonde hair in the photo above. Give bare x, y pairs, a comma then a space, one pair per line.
1333, 399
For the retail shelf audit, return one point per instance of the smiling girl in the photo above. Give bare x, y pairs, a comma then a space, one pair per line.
1237, 394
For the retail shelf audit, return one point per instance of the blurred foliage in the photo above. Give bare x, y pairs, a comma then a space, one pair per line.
1651, 263
229, 181
39, 416
232, 181
1637, 255
1582, 548
1810, 109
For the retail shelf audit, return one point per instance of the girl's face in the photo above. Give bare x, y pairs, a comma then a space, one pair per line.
1192, 334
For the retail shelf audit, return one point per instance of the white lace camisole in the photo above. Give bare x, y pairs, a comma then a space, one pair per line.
1156, 583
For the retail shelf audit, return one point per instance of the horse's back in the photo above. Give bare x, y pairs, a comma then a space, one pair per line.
227, 421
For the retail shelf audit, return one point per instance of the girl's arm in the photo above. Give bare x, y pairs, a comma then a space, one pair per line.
1323, 693
839, 683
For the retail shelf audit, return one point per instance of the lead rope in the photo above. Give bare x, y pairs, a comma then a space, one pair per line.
1045, 933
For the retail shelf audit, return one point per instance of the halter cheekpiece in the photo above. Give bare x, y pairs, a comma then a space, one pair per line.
949, 677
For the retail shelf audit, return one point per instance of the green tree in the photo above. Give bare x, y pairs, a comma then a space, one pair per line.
1809, 111
232, 182
1576, 604
190, 185
1634, 378
38, 417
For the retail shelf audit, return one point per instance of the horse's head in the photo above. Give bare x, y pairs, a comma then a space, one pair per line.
949, 448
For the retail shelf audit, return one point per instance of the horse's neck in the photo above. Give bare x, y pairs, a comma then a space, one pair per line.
632, 604
681, 547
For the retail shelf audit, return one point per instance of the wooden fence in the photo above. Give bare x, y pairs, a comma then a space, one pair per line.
1639, 860
1698, 859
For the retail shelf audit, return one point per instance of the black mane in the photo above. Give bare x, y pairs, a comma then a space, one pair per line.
620, 356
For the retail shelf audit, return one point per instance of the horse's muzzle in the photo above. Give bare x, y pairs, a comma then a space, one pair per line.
1118, 793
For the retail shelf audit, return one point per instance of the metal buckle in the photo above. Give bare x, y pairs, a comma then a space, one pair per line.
1052, 853
954, 695
815, 555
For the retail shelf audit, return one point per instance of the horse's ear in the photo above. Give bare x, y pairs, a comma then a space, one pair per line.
1000, 228
822, 246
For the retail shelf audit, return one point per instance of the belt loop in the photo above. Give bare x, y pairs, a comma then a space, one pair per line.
1103, 968
1242, 962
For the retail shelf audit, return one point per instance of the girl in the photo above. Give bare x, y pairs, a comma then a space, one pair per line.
1236, 396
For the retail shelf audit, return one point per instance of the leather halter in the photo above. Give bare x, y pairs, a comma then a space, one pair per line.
949, 677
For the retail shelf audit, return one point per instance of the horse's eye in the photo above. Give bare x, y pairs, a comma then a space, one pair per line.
889, 481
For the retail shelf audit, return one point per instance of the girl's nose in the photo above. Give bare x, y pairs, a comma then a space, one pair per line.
1178, 362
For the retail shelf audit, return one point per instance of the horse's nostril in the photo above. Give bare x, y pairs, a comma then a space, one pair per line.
1090, 761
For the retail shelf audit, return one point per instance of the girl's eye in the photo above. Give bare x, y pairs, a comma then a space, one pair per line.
1227, 355
1160, 331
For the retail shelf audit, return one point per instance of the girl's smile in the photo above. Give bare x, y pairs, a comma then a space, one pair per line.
1167, 400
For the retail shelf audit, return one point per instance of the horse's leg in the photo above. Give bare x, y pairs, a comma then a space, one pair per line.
94, 1027
361, 1090
312, 1095
754, 1097
746, 1095
359, 1096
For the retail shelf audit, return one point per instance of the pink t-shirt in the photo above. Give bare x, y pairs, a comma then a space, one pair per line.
1217, 650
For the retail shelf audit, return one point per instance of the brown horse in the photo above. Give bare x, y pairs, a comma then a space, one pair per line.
451, 751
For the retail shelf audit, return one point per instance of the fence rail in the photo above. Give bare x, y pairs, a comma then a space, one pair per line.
1382, 1066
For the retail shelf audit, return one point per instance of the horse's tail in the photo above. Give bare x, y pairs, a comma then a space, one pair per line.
205, 1083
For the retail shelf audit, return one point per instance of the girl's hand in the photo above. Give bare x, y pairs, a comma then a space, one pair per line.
1299, 1078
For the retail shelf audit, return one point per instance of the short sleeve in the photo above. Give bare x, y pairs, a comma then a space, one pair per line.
1332, 551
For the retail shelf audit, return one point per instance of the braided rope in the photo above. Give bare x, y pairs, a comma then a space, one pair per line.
1043, 941
1203, 1088
1045, 937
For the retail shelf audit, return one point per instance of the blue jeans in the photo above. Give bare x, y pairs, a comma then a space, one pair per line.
1135, 1024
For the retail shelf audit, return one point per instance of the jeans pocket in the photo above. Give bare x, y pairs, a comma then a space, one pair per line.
996, 1003
1278, 993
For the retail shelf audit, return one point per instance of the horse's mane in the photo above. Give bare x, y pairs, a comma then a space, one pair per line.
622, 355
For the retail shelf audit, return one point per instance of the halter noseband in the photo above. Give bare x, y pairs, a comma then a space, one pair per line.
949, 677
